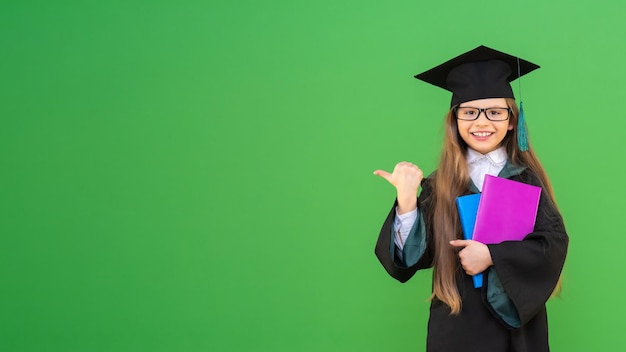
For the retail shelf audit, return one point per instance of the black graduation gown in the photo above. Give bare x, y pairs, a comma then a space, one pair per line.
528, 271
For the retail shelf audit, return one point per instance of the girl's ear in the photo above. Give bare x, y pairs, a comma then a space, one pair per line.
510, 126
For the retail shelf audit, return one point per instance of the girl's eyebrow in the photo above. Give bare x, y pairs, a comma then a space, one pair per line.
491, 107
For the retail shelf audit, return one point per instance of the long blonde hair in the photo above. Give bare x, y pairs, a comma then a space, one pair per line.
452, 180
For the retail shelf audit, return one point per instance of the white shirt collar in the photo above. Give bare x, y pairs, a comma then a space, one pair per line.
496, 157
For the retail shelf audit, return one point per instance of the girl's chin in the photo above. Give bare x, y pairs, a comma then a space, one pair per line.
483, 149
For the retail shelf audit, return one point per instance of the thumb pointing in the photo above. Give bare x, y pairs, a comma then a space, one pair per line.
383, 174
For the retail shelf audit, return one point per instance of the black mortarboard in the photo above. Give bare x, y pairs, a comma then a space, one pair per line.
478, 74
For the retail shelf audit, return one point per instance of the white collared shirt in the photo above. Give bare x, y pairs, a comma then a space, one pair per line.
489, 164
479, 166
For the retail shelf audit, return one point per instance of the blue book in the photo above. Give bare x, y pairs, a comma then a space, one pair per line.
468, 208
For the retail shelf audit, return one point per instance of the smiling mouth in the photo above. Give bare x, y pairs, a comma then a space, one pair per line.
482, 134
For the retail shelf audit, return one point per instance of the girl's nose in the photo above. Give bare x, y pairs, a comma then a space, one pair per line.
482, 118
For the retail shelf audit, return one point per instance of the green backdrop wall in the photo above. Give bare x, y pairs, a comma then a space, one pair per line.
197, 175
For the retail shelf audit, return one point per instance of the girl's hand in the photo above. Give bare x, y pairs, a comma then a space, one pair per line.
406, 178
475, 256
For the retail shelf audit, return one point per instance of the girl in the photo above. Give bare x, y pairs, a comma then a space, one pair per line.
485, 134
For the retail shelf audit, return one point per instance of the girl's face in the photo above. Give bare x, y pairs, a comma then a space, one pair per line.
482, 134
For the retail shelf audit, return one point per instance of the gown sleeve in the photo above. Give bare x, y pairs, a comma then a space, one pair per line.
417, 251
529, 270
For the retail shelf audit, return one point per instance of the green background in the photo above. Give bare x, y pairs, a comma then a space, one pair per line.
197, 175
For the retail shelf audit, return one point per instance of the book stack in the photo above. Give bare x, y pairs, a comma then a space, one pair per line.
506, 210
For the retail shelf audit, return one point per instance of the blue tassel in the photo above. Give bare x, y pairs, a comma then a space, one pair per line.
522, 132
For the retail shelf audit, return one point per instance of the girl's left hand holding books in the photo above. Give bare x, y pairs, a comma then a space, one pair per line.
475, 256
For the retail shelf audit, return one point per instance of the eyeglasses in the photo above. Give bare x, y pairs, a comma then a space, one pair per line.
493, 114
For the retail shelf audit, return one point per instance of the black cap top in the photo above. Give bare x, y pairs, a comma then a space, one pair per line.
480, 73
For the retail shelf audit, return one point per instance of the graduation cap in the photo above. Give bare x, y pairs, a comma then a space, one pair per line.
481, 73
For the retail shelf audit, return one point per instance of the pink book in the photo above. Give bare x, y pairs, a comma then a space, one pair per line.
507, 210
